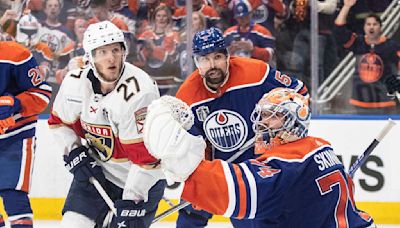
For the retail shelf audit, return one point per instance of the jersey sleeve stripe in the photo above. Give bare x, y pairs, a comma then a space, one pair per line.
41, 91
45, 98
231, 190
17, 131
253, 190
248, 195
241, 195
45, 87
237, 193
24, 121
45, 92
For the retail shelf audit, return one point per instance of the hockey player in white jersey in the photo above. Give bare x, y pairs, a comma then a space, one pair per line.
105, 104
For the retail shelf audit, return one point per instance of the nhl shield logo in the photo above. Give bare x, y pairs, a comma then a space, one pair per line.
226, 130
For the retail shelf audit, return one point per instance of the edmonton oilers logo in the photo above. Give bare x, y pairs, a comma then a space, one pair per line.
226, 130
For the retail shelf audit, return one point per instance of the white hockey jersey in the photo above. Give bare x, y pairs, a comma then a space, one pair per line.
112, 122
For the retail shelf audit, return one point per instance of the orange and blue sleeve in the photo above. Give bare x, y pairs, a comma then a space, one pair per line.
223, 189
36, 92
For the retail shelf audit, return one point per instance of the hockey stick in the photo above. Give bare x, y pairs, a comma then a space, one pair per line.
103, 194
363, 157
183, 204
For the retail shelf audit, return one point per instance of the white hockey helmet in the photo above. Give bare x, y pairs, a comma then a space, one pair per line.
101, 34
282, 103
28, 30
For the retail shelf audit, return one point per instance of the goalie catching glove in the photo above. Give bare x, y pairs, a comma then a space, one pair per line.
166, 138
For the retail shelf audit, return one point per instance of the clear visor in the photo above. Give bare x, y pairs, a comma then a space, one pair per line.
210, 61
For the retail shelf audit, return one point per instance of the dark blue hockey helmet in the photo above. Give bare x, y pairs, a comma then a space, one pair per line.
241, 8
208, 41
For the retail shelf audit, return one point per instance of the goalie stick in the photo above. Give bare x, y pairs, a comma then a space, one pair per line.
183, 204
363, 157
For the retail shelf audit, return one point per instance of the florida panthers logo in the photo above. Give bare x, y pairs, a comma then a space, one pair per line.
101, 138
226, 130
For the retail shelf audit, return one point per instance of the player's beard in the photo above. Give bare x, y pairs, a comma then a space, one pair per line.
211, 76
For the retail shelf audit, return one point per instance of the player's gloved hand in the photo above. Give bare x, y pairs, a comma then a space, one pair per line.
393, 83
166, 139
130, 214
139, 182
9, 105
79, 163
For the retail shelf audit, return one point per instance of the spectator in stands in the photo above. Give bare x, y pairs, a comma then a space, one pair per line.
327, 55
57, 36
247, 38
377, 58
77, 58
52, 9
157, 50
211, 15
265, 13
198, 24
6, 32
80, 27
101, 12
146, 10
361, 9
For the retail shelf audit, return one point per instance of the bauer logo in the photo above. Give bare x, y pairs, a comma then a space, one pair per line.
226, 130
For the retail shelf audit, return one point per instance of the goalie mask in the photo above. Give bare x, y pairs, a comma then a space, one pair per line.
102, 34
281, 116
28, 31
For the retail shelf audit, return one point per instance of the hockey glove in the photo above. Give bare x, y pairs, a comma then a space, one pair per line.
166, 139
82, 166
131, 215
393, 84
9, 105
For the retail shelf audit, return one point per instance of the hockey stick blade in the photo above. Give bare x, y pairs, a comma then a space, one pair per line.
363, 157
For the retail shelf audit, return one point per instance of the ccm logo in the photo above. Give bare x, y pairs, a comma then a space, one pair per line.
133, 213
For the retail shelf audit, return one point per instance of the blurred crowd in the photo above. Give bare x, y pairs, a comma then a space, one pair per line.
156, 31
